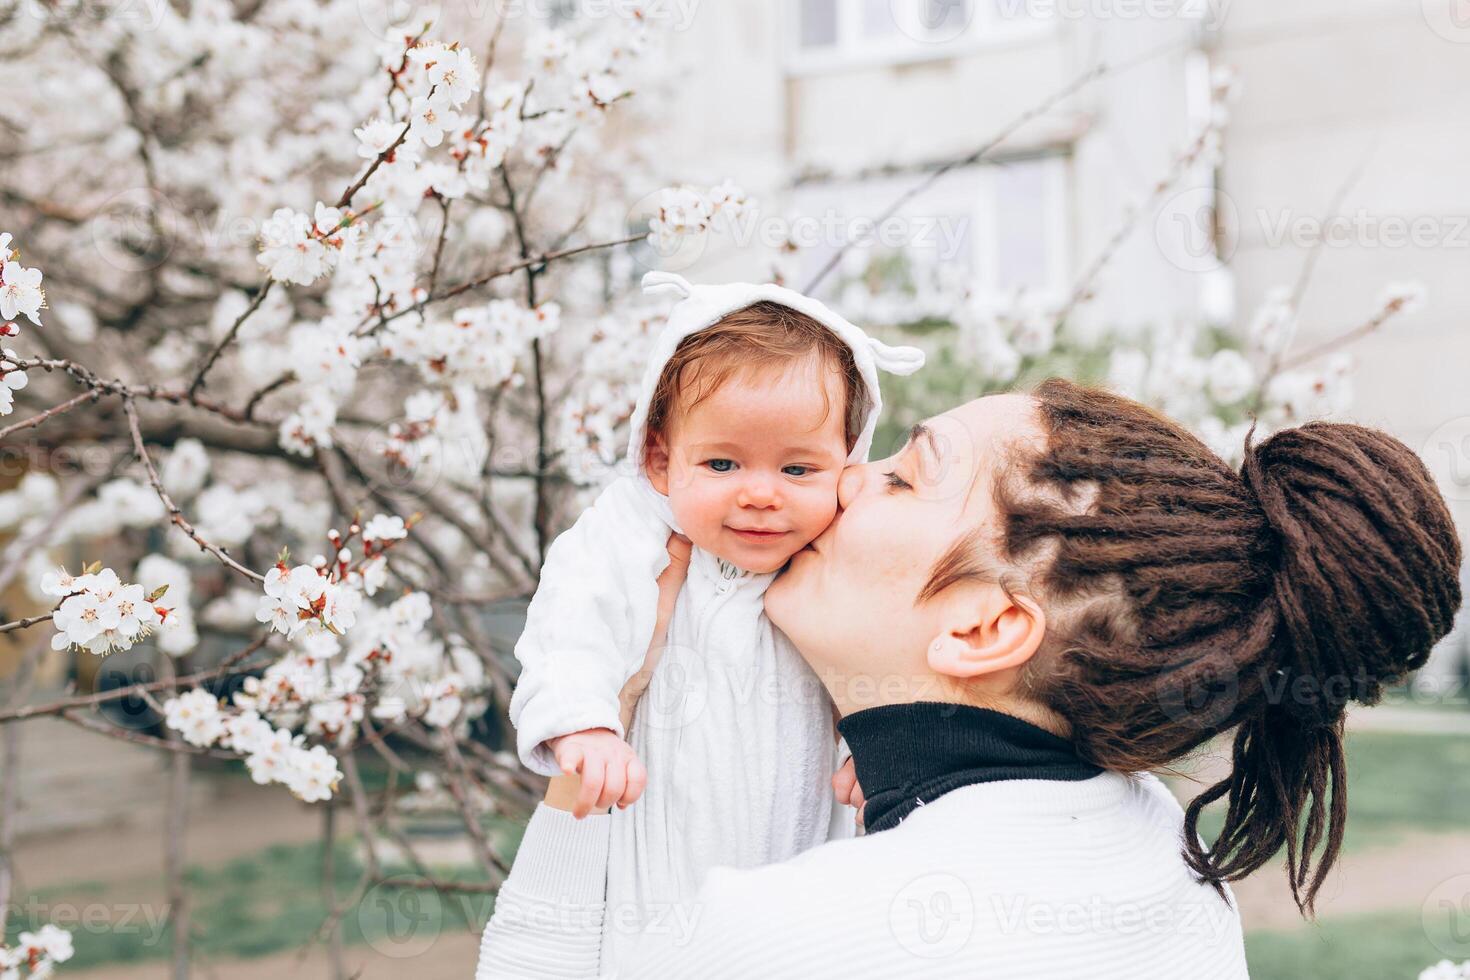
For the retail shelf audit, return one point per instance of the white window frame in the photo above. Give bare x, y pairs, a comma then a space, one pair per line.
851, 50
969, 192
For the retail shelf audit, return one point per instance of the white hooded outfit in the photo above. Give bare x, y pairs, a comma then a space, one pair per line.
735, 730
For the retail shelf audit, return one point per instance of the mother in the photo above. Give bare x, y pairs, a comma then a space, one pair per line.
1040, 598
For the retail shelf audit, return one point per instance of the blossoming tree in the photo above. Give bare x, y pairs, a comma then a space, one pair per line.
390, 327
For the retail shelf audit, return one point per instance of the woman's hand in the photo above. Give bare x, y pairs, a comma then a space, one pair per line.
565, 791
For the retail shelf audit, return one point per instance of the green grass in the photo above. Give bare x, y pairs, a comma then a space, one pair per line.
1394, 946
271, 900
1397, 783
263, 903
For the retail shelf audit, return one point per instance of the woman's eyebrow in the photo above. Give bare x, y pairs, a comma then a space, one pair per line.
921, 431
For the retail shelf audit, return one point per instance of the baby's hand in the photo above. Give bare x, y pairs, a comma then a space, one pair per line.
845, 785
610, 770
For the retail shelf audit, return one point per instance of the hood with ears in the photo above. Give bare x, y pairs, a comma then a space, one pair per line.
701, 306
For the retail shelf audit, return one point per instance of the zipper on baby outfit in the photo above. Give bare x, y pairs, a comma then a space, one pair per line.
730, 576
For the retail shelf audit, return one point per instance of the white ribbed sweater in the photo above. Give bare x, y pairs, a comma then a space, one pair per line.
1015, 879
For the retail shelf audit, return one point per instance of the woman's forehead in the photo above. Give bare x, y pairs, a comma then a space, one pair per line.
986, 425
970, 439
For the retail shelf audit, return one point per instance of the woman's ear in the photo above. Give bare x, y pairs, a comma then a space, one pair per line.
656, 463
984, 629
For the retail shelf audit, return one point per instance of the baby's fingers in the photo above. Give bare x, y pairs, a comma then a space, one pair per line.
637, 780
612, 786
593, 775
570, 758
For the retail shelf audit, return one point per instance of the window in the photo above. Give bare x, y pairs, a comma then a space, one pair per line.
844, 33
1000, 227
818, 23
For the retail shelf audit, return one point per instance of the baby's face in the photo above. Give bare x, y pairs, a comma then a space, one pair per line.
751, 471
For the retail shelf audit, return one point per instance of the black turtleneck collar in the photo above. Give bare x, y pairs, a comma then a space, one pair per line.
906, 755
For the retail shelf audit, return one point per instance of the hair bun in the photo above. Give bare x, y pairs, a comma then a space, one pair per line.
1367, 577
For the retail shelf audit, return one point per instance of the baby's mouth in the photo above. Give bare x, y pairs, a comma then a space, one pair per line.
758, 534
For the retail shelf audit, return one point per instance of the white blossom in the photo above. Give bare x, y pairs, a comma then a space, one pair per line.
312, 774
62, 583
185, 469
38, 952
309, 427
547, 49
1231, 377
384, 527
196, 716
1403, 297
1274, 325
12, 379
106, 615
376, 135
289, 251
20, 292
429, 118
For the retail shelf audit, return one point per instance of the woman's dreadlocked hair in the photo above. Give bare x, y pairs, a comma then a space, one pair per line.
1193, 599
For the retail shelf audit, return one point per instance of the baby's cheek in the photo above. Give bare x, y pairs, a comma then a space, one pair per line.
692, 505
818, 506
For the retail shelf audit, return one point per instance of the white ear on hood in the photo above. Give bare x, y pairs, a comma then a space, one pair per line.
660, 281
896, 360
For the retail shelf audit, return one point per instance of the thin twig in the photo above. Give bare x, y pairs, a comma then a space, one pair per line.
175, 829
228, 667
229, 337
35, 420
21, 624
176, 515
985, 150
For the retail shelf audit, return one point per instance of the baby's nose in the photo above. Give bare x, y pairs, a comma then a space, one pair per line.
759, 491
849, 485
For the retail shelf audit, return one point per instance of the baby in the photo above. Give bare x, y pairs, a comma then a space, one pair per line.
754, 400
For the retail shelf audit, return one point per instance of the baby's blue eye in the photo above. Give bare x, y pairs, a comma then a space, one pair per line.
721, 465
804, 470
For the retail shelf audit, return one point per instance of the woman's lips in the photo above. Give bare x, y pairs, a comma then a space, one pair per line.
760, 536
